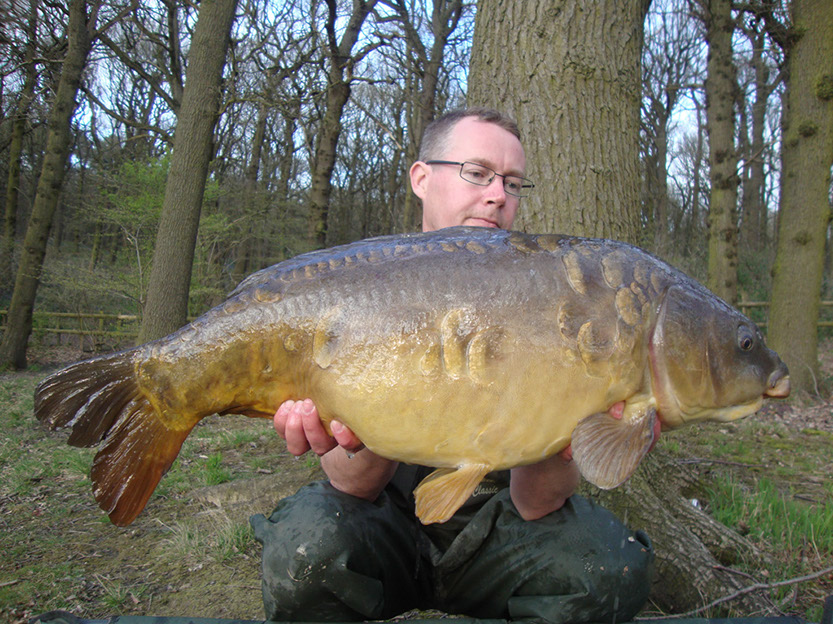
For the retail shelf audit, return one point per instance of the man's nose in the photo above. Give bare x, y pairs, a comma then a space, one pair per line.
495, 189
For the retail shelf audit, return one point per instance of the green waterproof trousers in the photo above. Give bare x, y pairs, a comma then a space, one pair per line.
328, 556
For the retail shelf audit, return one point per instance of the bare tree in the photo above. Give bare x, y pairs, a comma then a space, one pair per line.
20, 117
670, 69
341, 60
426, 61
721, 96
753, 214
81, 24
167, 302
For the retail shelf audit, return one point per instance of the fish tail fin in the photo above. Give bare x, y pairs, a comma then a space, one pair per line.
101, 402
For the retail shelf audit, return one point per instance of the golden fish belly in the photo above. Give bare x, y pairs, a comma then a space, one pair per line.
414, 402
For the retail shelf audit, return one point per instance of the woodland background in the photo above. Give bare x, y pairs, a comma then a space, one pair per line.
699, 129
155, 153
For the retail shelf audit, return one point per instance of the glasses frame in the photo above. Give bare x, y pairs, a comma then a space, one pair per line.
525, 182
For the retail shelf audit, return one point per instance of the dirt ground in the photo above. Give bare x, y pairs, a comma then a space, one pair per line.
190, 553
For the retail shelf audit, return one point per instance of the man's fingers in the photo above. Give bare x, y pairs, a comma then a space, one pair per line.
299, 424
281, 416
296, 439
345, 437
319, 440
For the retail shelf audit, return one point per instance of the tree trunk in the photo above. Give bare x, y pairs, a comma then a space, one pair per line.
806, 156
325, 159
691, 546
659, 174
721, 89
572, 82
580, 123
173, 256
15, 156
58, 141
753, 216
339, 71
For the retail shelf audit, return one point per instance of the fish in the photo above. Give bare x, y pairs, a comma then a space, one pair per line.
465, 349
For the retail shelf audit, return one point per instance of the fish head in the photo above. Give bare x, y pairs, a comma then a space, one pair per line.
708, 361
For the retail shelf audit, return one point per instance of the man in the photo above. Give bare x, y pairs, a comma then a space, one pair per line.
523, 546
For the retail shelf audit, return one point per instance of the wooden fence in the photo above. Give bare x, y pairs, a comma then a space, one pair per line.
92, 329
98, 327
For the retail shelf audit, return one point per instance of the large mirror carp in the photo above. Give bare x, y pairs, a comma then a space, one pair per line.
466, 349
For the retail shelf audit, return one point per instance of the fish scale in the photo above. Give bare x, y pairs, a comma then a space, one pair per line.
466, 349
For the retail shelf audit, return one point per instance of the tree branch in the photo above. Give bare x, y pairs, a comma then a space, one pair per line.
742, 592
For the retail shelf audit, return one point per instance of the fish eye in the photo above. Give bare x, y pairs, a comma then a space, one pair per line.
746, 339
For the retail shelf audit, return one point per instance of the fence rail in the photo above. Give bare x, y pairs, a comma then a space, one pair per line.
745, 306
97, 325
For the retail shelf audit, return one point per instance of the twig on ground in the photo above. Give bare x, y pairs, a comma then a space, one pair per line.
742, 592
705, 460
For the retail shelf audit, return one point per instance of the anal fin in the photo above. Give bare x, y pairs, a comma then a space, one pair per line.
441, 493
608, 450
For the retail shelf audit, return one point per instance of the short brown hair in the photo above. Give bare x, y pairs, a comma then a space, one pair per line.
435, 137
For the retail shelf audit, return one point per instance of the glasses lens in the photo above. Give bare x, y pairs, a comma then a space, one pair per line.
514, 186
483, 176
476, 174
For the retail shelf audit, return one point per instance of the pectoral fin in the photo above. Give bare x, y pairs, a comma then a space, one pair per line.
442, 492
608, 450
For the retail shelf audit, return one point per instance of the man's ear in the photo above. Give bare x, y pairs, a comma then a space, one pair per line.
419, 173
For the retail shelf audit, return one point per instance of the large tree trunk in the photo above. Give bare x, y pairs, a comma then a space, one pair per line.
721, 89
58, 141
806, 156
579, 111
173, 256
572, 82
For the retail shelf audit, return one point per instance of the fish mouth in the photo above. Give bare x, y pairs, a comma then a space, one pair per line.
778, 385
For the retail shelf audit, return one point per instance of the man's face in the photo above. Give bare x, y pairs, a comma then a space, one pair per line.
448, 200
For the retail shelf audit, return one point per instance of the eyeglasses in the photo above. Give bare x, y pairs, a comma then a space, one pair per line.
483, 176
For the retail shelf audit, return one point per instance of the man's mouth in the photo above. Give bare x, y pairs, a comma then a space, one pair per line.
480, 222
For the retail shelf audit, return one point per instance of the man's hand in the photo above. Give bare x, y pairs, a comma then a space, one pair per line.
539, 489
298, 423
350, 467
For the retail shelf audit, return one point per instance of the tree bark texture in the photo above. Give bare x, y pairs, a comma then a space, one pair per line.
807, 155
173, 256
569, 73
721, 94
58, 141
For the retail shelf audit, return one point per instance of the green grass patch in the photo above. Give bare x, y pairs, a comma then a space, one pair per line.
766, 513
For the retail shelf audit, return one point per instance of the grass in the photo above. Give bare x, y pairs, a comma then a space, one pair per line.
61, 552
766, 513
771, 483
220, 540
